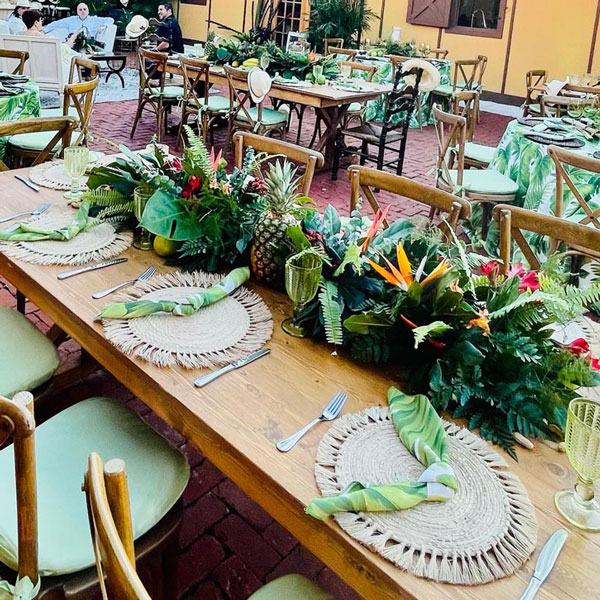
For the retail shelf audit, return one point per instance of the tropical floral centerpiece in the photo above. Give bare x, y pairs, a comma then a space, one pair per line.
478, 342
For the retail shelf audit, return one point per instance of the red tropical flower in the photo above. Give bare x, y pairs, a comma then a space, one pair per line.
176, 164
529, 281
191, 186
516, 271
578, 347
491, 268
595, 363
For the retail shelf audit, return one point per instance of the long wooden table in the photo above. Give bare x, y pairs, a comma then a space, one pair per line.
331, 104
237, 419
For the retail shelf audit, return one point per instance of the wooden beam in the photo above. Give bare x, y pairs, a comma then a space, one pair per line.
594, 36
381, 17
508, 45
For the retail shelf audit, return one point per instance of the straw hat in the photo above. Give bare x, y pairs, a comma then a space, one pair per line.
259, 84
430, 78
137, 26
22, 3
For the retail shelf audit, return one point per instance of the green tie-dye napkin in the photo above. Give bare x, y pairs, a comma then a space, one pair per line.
185, 307
422, 432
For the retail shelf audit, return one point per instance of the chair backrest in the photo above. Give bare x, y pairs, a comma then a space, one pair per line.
63, 126
557, 106
17, 421
580, 89
152, 65
439, 53
396, 62
310, 159
107, 37
107, 497
564, 158
483, 61
21, 56
60, 33
465, 74
83, 68
351, 54
534, 82
464, 104
356, 66
196, 75
81, 97
45, 65
239, 98
364, 179
332, 44
513, 220
401, 101
292, 37
451, 134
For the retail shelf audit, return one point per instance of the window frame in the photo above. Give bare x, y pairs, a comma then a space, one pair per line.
195, 2
497, 33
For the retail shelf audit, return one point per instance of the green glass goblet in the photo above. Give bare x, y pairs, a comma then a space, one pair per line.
76, 159
302, 276
141, 195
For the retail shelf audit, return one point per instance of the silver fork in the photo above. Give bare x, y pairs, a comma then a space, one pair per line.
330, 412
38, 211
145, 276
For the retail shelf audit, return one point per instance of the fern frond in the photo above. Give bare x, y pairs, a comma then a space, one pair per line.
331, 312
125, 210
104, 196
198, 153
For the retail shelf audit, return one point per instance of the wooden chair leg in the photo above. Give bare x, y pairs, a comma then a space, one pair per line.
381, 155
138, 116
485, 219
364, 149
300, 120
21, 301
576, 263
316, 132
336, 156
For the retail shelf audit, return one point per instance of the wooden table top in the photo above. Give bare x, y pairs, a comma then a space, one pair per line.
319, 96
236, 420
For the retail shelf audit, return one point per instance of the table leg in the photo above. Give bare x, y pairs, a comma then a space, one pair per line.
332, 117
117, 71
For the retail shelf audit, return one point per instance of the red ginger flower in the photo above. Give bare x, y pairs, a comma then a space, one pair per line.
193, 184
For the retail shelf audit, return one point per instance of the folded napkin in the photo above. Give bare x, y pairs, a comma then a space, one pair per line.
421, 431
24, 232
13, 77
553, 137
180, 308
10, 90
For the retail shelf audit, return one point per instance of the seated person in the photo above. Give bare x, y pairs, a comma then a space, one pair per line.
15, 21
169, 30
92, 24
34, 23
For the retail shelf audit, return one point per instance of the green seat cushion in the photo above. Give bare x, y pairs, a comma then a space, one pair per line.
445, 89
29, 358
479, 152
37, 141
269, 116
217, 103
355, 107
58, 112
485, 181
157, 474
291, 587
170, 91
535, 108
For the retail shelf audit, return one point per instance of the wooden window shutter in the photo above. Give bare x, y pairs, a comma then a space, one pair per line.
435, 13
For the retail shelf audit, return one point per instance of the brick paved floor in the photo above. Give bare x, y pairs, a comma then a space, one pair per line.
229, 546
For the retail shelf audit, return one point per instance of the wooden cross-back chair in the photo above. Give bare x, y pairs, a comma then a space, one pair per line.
62, 127
483, 61
590, 218
20, 55
364, 180
84, 68
334, 44
439, 53
557, 106
513, 221
80, 96
397, 62
485, 186
257, 119
350, 53
392, 131
310, 159
208, 110
535, 80
154, 95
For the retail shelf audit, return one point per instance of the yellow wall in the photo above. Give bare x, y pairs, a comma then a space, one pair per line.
548, 34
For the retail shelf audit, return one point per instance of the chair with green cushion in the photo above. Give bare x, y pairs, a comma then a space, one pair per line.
53, 533
535, 80
197, 103
154, 95
485, 186
29, 358
110, 525
464, 79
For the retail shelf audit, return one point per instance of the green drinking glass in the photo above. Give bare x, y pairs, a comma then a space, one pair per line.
302, 277
76, 159
141, 195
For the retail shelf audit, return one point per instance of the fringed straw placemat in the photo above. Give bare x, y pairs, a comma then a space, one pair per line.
52, 175
99, 242
217, 334
487, 531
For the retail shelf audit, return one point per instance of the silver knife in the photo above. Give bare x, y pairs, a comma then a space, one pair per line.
545, 562
100, 265
202, 381
29, 184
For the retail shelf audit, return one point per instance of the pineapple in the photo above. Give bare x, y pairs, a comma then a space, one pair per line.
269, 247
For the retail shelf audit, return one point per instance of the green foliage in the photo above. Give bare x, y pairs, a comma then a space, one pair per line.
338, 19
434, 329
331, 312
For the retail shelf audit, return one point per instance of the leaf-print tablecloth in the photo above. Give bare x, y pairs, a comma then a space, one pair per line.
20, 106
383, 74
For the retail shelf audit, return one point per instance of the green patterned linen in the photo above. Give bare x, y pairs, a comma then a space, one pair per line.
29, 233
383, 74
422, 432
20, 106
181, 308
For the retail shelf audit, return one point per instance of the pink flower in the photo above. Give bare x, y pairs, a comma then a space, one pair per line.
578, 347
516, 271
176, 164
529, 281
491, 269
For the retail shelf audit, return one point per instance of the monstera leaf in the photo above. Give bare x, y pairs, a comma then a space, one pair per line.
168, 217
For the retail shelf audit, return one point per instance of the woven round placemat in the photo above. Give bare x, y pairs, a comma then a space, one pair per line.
487, 531
52, 175
97, 243
217, 334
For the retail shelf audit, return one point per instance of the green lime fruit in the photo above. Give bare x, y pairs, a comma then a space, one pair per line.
165, 247
321, 80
